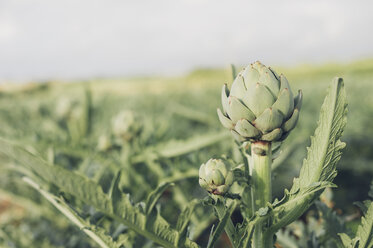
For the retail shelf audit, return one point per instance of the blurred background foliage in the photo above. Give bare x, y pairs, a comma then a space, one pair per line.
174, 128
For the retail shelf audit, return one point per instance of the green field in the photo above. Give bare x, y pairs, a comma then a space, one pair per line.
177, 130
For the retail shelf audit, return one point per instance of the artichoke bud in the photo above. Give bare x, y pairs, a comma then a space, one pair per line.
104, 143
126, 125
260, 105
216, 176
64, 108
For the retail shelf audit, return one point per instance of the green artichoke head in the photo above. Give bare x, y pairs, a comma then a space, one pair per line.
64, 108
216, 176
126, 125
260, 105
104, 143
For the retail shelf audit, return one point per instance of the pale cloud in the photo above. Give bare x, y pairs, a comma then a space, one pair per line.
7, 31
41, 39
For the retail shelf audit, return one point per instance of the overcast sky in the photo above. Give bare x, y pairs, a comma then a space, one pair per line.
69, 39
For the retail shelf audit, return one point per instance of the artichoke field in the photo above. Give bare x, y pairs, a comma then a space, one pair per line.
118, 164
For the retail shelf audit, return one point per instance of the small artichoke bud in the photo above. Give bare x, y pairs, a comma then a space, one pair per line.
216, 176
126, 125
104, 143
64, 108
260, 105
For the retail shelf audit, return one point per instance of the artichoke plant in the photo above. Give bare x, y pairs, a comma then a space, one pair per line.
104, 143
126, 125
64, 108
216, 176
260, 105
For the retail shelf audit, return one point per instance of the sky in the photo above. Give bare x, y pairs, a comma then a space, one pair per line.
83, 39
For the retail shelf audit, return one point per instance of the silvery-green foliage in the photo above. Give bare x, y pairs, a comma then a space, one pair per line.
145, 221
128, 193
363, 237
319, 168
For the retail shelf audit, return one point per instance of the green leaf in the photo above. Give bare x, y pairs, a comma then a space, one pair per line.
192, 114
119, 201
94, 232
319, 168
183, 220
245, 232
285, 239
155, 195
186, 214
325, 149
214, 236
347, 241
118, 207
332, 223
69, 181
365, 230
175, 148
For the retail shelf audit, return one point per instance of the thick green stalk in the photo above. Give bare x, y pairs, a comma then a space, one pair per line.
260, 171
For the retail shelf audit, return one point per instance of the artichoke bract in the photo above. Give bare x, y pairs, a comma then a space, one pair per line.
260, 105
216, 176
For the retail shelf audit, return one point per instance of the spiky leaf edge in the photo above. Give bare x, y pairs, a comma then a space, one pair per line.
155, 228
319, 168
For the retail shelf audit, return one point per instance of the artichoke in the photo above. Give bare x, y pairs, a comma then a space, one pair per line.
126, 125
216, 176
104, 143
64, 108
260, 105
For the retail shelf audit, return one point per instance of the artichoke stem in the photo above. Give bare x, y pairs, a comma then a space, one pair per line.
261, 156
260, 171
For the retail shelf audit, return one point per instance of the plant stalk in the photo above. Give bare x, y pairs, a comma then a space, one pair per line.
260, 171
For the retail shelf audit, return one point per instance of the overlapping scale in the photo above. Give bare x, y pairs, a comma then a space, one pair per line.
260, 105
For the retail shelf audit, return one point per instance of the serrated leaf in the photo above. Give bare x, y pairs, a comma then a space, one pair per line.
175, 148
325, 149
347, 241
365, 230
119, 201
245, 233
156, 229
184, 219
57, 175
333, 224
214, 236
94, 232
322, 157
155, 195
